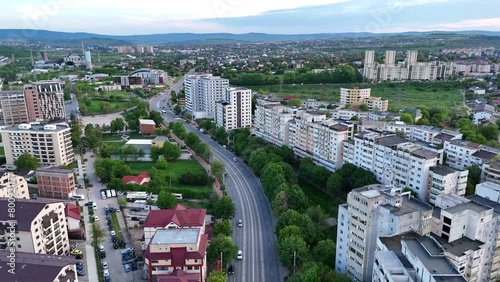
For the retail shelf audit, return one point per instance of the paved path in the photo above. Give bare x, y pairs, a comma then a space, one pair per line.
89, 250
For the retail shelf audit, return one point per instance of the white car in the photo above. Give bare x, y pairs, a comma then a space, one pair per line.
240, 255
96, 218
240, 223
113, 233
105, 265
105, 272
235, 159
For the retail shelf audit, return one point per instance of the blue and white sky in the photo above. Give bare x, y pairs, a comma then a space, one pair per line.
125, 17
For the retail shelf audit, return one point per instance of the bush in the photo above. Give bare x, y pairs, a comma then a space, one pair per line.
192, 193
194, 178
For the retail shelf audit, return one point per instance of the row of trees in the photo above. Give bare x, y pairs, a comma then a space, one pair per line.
169, 151
192, 140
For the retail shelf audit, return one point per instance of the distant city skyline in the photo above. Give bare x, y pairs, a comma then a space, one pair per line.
116, 17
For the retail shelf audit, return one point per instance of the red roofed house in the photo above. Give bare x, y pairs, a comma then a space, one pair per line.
175, 249
495, 102
72, 213
177, 217
141, 179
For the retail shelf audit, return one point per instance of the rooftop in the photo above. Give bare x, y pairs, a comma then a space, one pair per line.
485, 155
473, 206
36, 127
147, 121
460, 246
179, 215
54, 170
177, 276
424, 153
35, 267
371, 191
391, 140
443, 170
26, 211
160, 139
176, 236
485, 203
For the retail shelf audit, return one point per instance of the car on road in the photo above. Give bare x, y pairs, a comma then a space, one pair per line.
105, 265
102, 252
105, 272
240, 223
230, 269
79, 256
110, 227
239, 256
106, 209
113, 233
79, 266
76, 252
117, 209
235, 159
80, 272
115, 246
94, 206
126, 267
89, 204
96, 218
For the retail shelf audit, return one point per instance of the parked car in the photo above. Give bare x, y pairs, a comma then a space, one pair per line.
126, 267
134, 218
115, 246
88, 204
105, 272
113, 233
230, 270
79, 266
105, 265
76, 252
80, 273
110, 227
79, 256
96, 218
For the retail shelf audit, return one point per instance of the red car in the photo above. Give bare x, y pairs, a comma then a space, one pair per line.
90, 185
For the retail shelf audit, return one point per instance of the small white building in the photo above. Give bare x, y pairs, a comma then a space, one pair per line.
489, 190
483, 112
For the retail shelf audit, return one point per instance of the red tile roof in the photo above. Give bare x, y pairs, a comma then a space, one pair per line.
495, 102
72, 211
177, 276
179, 215
137, 179
178, 256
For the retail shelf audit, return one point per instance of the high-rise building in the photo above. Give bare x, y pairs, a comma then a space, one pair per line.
45, 100
14, 108
235, 111
13, 185
411, 57
271, 121
50, 143
446, 180
88, 59
373, 211
55, 182
40, 228
202, 91
357, 96
369, 57
463, 154
390, 57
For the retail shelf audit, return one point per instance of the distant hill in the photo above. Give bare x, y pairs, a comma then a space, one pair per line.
46, 35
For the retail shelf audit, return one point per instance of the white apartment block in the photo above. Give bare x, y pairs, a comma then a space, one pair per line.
490, 171
373, 211
235, 111
446, 180
393, 160
13, 185
320, 139
489, 190
344, 114
50, 143
202, 92
41, 227
13, 106
462, 154
271, 121
412, 257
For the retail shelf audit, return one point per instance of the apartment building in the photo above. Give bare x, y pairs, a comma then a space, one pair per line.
357, 96
55, 183
13, 185
50, 143
489, 190
373, 211
45, 101
38, 267
181, 249
314, 136
345, 114
483, 112
490, 171
235, 111
412, 257
462, 154
202, 92
175, 218
41, 226
271, 120
14, 108
393, 159
446, 180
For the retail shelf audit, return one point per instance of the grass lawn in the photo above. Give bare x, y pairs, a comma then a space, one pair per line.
111, 137
116, 226
2, 151
177, 167
201, 204
135, 135
119, 94
114, 144
400, 95
318, 197
95, 106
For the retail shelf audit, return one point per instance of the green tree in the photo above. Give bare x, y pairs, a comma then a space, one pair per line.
221, 135
280, 203
363, 108
177, 109
407, 118
474, 177
97, 234
67, 89
178, 129
171, 151
221, 244
161, 164
297, 200
27, 161
334, 184
217, 168
223, 228
118, 124
308, 229
324, 252
490, 132
105, 107
165, 200
217, 276
224, 208
294, 102
292, 249
289, 231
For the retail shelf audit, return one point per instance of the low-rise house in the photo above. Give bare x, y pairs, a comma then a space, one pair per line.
141, 179
56, 183
73, 218
147, 127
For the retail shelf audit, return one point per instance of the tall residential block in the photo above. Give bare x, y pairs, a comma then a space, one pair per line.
235, 111
463, 154
14, 107
446, 180
50, 143
369, 57
202, 92
271, 121
371, 212
41, 226
411, 57
390, 57
357, 96
45, 101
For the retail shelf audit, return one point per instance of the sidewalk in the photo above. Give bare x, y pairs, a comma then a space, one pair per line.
89, 250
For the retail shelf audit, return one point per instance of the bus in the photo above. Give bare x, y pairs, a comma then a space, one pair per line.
134, 196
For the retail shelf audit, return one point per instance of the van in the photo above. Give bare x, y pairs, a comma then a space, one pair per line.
77, 197
103, 195
108, 193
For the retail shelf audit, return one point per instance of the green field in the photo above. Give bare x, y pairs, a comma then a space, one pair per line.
177, 167
2, 151
135, 135
400, 95
115, 94
95, 106
111, 137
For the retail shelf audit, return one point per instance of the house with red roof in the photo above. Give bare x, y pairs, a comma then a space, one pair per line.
177, 217
141, 179
171, 250
495, 102
73, 217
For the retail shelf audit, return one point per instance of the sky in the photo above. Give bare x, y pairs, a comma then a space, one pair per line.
123, 17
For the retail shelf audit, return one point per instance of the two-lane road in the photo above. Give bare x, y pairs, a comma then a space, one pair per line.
256, 238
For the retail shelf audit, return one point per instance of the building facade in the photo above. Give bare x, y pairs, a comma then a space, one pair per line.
45, 100
55, 183
446, 180
357, 96
235, 111
50, 143
41, 227
462, 154
271, 121
147, 126
202, 92
13, 185
14, 108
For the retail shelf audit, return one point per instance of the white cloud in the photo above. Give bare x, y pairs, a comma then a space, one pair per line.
491, 24
411, 3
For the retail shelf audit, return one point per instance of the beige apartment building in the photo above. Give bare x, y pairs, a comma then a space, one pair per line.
45, 100
41, 227
13, 185
357, 96
14, 108
50, 143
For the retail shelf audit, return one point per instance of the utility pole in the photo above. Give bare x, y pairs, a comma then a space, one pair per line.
221, 265
294, 255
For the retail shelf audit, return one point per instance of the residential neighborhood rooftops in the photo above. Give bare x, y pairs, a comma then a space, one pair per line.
26, 211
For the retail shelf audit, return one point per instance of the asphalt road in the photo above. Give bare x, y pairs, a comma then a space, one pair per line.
256, 238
